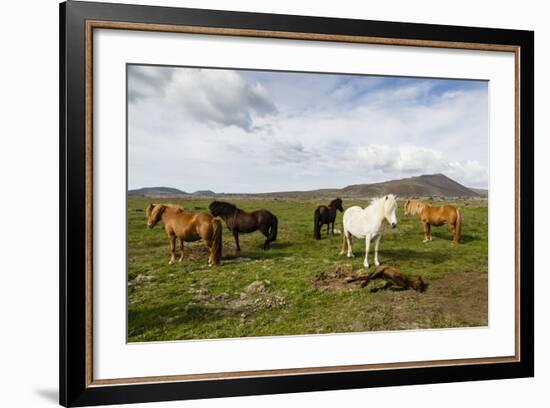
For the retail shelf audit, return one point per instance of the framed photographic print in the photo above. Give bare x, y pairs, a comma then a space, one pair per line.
256, 203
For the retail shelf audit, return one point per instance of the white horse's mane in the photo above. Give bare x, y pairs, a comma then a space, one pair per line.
382, 200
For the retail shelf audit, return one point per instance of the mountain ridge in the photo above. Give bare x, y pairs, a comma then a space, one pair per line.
425, 185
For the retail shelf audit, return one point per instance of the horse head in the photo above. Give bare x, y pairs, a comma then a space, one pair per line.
154, 212
407, 207
390, 209
337, 203
419, 285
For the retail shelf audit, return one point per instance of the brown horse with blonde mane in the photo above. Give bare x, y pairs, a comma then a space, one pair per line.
431, 215
187, 227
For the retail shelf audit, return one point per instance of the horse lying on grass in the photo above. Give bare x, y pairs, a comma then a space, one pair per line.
188, 227
367, 223
326, 215
430, 215
392, 277
240, 221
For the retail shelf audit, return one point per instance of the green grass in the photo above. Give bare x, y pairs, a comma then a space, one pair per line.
189, 300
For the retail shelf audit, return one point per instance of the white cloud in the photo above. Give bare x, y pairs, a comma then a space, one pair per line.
216, 97
233, 131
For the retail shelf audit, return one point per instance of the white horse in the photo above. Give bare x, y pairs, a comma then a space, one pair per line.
367, 223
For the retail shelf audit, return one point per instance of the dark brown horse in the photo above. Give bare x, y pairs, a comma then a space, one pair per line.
326, 215
239, 221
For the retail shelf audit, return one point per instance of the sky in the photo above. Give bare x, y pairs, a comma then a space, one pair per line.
244, 131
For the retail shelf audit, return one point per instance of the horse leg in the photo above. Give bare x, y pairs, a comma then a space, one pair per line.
236, 236
265, 230
349, 241
430, 232
209, 245
332, 229
376, 245
426, 231
367, 245
453, 232
181, 250
328, 229
172, 238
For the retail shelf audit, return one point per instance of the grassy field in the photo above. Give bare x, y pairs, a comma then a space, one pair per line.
257, 293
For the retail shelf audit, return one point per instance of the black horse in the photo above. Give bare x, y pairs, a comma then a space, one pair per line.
239, 221
326, 215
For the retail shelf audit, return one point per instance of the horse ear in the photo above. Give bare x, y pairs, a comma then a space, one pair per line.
386, 197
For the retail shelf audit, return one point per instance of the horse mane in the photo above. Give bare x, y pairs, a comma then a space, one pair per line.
416, 206
378, 200
150, 207
178, 208
335, 201
154, 210
221, 208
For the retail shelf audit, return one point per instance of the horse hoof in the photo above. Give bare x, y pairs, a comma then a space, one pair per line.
171, 263
366, 265
377, 264
351, 256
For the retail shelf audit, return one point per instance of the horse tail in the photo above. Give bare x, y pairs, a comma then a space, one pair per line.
316, 226
458, 226
273, 230
216, 248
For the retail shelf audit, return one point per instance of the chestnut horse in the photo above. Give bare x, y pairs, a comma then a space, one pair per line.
187, 227
240, 221
326, 215
430, 215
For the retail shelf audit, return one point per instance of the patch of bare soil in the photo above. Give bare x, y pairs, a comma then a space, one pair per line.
458, 299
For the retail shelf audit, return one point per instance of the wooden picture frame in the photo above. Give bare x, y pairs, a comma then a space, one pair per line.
78, 20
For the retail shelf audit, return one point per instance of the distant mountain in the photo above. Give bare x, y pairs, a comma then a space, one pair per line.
423, 186
481, 191
158, 192
204, 193
427, 185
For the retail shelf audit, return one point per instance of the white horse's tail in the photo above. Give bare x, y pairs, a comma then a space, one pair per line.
344, 242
